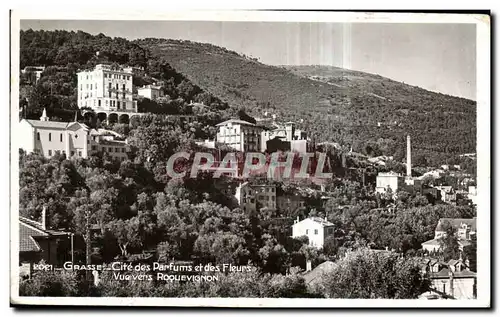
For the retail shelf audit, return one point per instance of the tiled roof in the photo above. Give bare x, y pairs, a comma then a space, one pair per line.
456, 223
322, 221
53, 124
235, 121
26, 241
431, 242
28, 229
445, 273
317, 272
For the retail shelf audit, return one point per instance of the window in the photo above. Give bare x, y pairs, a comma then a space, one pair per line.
118, 105
307, 231
72, 153
99, 103
123, 150
50, 152
58, 152
90, 86
60, 137
116, 150
76, 136
38, 136
50, 137
94, 147
105, 75
116, 86
123, 87
110, 149
315, 231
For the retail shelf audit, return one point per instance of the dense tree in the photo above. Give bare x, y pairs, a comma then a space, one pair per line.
368, 274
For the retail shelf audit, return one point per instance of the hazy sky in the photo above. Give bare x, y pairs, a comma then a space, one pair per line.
438, 57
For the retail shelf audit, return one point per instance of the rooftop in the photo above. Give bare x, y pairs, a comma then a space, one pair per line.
28, 229
456, 223
53, 124
235, 121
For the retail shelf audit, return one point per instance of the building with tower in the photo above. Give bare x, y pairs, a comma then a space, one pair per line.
395, 181
72, 139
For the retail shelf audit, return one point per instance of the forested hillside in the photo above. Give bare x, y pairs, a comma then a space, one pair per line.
338, 105
64, 53
371, 113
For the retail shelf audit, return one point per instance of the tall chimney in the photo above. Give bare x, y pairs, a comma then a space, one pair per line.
44, 218
408, 156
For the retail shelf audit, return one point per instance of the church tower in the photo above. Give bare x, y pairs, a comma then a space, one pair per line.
44, 115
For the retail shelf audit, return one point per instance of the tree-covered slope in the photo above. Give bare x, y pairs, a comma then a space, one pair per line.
334, 104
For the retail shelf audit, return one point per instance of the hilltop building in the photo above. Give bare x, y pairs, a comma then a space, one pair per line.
465, 228
72, 139
150, 91
285, 138
315, 228
239, 135
106, 89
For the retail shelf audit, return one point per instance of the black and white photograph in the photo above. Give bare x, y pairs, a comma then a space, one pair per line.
243, 159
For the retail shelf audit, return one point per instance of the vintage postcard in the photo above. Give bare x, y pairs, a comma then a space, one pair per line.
250, 159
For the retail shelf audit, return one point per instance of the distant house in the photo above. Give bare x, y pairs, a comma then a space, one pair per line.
465, 229
451, 279
315, 228
239, 135
390, 181
33, 73
289, 203
150, 91
37, 242
447, 194
253, 196
285, 138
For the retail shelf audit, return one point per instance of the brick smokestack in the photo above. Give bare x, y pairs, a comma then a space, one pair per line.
408, 156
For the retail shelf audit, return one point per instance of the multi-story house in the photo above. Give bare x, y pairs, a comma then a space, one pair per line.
255, 196
239, 135
284, 137
316, 229
109, 142
464, 227
150, 91
106, 88
452, 279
